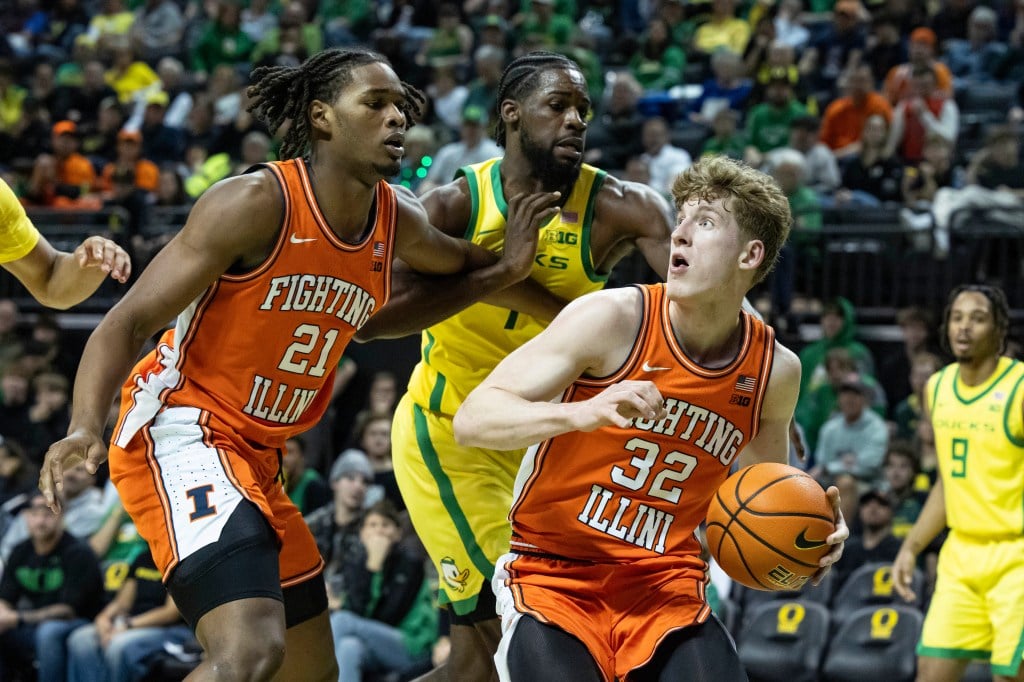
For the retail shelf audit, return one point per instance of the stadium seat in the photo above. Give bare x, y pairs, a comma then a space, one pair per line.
869, 585
875, 643
749, 599
783, 641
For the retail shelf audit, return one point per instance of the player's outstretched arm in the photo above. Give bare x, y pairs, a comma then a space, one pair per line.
929, 524
236, 221
512, 408
419, 298
58, 279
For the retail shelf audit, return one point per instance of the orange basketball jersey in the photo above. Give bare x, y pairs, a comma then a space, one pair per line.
255, 350
619, 495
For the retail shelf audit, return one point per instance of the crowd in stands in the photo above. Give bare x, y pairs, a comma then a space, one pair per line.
141, 105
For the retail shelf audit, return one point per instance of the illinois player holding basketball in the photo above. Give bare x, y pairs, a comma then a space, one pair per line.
641, 399
269, 279
976, 408
458, 497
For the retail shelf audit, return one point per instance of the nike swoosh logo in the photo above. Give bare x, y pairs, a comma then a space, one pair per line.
648, 368
802, 542
297, 240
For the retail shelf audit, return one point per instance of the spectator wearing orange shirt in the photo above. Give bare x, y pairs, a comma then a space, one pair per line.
844, 118
129, 156
64, 177
921, 52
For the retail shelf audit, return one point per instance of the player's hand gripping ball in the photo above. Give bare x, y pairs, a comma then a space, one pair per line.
767, 526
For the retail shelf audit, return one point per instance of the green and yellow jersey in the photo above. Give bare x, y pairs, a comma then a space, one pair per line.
461, 351
17, 235
979, 439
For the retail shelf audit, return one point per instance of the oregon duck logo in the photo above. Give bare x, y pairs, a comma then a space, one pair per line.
453, 577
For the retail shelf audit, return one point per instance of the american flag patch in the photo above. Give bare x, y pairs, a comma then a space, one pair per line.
378, 249
746, 383
570, 217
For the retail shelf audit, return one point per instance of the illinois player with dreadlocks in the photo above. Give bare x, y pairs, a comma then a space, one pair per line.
458, 497
270, 278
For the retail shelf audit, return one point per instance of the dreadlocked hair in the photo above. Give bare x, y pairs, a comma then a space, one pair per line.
1000, 312
520, 78
281, 93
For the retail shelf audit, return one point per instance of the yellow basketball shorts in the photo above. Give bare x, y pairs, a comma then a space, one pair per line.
458, 500
977, 610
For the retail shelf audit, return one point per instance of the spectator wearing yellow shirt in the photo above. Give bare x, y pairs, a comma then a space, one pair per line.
55, 278
11, 98
723, 30
113, 22
129, 76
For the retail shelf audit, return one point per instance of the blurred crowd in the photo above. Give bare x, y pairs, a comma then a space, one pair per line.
141, 105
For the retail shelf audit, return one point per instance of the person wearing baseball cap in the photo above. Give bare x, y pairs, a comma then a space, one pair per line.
56, 279
129, 156
874, 540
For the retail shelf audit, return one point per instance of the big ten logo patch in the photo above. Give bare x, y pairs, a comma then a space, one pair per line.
561, 237
883, 622
881, 582
790, 615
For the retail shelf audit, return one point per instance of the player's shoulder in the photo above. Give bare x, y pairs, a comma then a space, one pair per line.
450, 205
786, 367
607, 308
631, 206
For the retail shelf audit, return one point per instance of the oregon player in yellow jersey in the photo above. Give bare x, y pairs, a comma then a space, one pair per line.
976, 408
55, 278
458, 498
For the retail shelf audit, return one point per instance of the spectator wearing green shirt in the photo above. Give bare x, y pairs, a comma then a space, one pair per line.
347, 22
726, 140
658, 64
543, 27
387, 622
294, 33
768, 123
305, 487
222, 42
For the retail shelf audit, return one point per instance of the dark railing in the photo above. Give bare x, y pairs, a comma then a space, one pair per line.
865, 255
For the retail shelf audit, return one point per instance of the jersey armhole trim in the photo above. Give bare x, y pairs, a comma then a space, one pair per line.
588, 218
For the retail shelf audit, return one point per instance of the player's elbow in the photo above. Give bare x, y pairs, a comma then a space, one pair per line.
466, 427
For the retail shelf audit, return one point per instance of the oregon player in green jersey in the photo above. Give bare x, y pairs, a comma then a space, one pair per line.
976, 408
459, 497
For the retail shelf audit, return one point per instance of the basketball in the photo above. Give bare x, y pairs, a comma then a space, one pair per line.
767, 525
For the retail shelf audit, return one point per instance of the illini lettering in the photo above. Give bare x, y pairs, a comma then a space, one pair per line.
637, 524
717, 436
277, 402
320, 294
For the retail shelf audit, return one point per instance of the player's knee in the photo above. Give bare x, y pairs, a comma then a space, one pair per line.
254, 657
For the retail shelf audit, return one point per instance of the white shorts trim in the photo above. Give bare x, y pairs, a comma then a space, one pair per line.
199, 490
506, 608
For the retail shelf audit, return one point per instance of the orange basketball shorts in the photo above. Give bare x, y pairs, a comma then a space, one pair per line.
621, 612
181, 477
